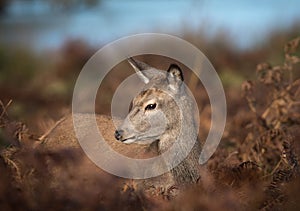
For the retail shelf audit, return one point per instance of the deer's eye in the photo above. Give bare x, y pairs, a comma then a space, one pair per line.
150, 106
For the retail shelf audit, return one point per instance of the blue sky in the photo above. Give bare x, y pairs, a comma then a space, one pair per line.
246, 22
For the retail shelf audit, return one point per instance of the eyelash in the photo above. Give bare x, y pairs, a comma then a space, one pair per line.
150, 107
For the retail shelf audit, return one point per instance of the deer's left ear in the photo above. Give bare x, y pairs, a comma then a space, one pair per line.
175, 77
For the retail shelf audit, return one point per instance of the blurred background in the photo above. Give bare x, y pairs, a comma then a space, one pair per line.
44, 44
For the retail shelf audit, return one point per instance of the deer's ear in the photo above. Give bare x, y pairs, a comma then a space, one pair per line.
139, 68
175, 77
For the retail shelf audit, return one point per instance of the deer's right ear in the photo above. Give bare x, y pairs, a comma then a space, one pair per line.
139, 66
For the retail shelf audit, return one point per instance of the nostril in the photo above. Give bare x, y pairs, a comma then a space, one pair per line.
119, 134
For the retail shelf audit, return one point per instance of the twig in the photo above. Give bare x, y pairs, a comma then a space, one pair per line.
4, 107
9, 161
42, 138
274, 170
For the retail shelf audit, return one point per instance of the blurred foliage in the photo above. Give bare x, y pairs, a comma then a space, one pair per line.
41, 84
255, 167
42, 81
68, 4
18, 65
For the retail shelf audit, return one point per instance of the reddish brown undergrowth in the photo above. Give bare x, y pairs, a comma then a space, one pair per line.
256, 166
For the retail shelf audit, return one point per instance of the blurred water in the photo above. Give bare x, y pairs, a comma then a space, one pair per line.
39, 25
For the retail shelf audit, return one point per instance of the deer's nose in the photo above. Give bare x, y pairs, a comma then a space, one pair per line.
119, 134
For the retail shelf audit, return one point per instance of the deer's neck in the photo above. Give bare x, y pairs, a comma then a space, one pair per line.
186, 133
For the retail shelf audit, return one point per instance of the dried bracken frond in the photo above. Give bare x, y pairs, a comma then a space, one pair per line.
247, 89
272, 143
269, 75
245, 172
292, 46
280, 99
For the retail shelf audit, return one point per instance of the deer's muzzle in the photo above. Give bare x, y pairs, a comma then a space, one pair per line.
119, 134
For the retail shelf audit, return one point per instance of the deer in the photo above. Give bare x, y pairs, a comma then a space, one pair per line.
153, 125
163, 112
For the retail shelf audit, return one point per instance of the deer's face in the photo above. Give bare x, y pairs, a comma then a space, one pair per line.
149, 117
154, 110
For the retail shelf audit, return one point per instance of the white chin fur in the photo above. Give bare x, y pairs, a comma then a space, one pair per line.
129, 141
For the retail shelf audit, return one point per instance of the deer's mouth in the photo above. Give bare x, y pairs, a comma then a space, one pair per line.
141, 138
119, 135
129, 140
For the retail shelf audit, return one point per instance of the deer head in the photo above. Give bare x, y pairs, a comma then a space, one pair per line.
154, 112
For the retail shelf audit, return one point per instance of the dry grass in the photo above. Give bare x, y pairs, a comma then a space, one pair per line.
255, 167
